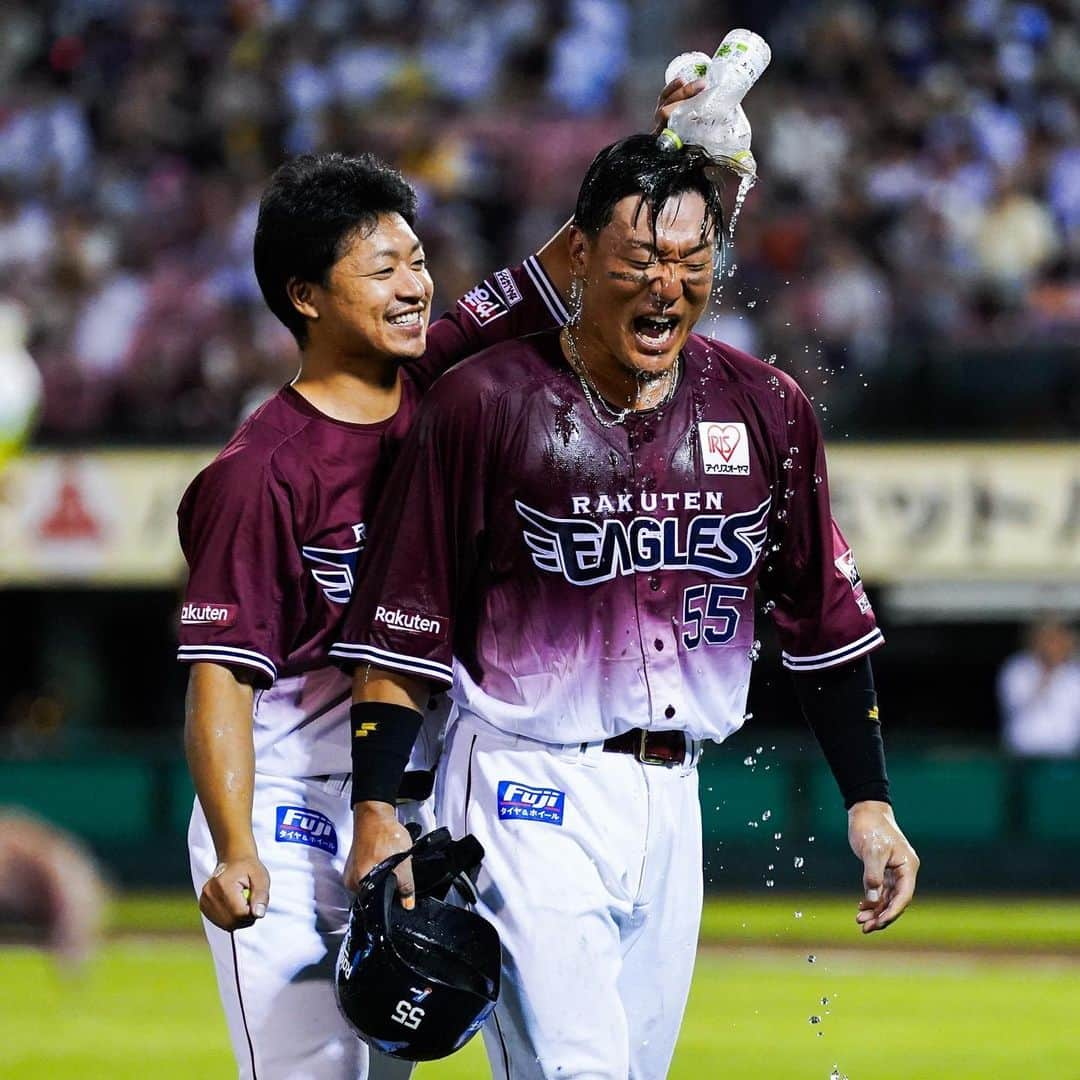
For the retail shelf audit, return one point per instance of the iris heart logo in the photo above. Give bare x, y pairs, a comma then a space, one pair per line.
723, 439
724, 450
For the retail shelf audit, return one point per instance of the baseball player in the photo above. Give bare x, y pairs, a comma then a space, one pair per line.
571, 543
272, 531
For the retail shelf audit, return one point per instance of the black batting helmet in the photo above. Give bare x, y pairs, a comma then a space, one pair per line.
419, 984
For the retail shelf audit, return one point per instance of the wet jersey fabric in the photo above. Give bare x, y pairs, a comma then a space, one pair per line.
274, 529
573, 580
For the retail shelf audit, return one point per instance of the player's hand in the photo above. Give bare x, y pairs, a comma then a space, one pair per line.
377, 834
890, 864
670, 96
237, 893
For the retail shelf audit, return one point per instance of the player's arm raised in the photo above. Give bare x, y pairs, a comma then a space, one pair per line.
221, 756
386, 717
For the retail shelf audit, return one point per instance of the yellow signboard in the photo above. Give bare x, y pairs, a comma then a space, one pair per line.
960, 512
912, 512
102, 517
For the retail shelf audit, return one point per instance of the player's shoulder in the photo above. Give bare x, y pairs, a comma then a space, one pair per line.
499, 371
733, 365
254, 453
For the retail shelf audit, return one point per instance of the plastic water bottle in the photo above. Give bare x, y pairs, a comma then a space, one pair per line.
688, 66
714, 119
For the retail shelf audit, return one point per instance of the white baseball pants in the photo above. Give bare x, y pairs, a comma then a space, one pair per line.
276, 977
596, 895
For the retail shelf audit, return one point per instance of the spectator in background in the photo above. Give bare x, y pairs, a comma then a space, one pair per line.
933, 146
1039, 693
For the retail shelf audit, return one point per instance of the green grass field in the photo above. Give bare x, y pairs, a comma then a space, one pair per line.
958, 990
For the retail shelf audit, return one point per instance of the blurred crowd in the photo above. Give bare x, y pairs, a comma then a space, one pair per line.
920, 174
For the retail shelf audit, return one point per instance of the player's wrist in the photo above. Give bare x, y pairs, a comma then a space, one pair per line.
382, 739
232, 853
373, 810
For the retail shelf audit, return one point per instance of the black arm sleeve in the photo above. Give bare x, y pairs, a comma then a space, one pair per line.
840, 706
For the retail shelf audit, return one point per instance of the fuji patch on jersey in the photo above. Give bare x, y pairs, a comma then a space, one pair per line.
484, 304
199, 613
299, 825
530, 803
725, 450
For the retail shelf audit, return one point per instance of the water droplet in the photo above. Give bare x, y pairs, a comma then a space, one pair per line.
824, 1001
798, 914
751, 303
810, 839
769, 884
815, 1019
777, 835
766, 815
811, 959
799, 862
786, 463
770, 605
749, 760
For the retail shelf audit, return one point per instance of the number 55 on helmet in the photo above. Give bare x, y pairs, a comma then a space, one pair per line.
419, 984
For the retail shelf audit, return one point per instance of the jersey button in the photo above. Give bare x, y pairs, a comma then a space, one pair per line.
659, 645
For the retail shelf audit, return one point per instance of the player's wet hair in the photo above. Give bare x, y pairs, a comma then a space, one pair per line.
313, 205
638, 165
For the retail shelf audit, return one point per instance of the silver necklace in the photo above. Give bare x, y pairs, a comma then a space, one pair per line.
593, 395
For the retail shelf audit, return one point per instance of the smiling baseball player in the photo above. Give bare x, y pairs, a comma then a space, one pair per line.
572, 540
272, 531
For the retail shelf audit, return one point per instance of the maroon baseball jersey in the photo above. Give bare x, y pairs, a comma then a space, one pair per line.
588, 579
273, 528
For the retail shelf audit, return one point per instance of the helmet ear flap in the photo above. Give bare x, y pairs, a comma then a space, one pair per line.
418, 984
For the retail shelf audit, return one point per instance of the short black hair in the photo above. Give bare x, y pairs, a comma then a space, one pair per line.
312, 206
640, 165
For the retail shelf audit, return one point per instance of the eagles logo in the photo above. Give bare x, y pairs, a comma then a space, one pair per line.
334, 570
588, 552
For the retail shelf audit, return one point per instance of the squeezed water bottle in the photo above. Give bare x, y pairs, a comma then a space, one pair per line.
714, 119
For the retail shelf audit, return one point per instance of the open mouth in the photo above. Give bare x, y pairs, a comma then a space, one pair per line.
406, 319
655, 332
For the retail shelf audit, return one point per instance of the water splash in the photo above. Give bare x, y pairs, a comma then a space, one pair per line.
746, 182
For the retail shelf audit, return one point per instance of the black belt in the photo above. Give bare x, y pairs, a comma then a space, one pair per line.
650, 747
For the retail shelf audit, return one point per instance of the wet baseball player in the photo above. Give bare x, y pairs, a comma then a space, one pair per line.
571, 543
272, 531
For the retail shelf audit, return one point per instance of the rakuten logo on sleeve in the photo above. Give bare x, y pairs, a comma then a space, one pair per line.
198, 613
412, 622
